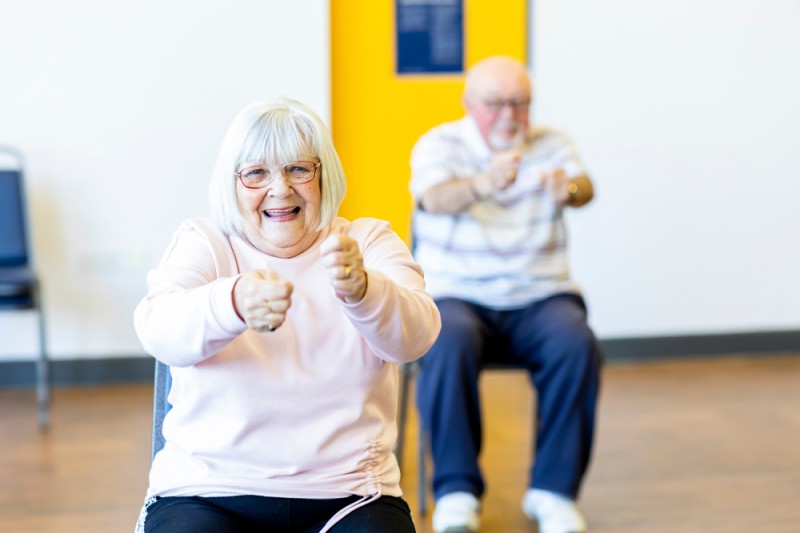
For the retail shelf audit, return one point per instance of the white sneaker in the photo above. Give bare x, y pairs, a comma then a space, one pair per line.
553, 512
456, 512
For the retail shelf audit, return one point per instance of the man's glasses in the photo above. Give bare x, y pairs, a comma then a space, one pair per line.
516, 105
296, 172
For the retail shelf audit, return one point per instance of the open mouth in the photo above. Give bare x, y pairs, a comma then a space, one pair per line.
282, 212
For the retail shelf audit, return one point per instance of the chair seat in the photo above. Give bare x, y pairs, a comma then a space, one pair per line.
17, 288
17, 302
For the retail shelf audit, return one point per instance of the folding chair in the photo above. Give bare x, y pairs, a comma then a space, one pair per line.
408, 372
19, 283
161, 406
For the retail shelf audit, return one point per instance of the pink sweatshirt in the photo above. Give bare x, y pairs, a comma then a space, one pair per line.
306, 411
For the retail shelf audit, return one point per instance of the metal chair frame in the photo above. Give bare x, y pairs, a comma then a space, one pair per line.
161, 406
20, 288
408, 372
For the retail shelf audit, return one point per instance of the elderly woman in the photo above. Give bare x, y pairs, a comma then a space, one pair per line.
283, 326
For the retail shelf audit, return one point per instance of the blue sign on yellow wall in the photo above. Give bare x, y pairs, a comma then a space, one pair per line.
429, 36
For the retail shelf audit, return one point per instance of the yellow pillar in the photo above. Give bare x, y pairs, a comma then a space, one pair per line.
377, 116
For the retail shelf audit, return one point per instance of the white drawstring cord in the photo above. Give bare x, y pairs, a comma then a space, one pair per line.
346, 510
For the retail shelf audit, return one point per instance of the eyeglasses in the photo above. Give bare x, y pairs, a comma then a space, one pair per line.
296, 172
496, 106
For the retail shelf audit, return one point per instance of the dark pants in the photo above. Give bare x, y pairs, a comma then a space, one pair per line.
552, 340
257, 514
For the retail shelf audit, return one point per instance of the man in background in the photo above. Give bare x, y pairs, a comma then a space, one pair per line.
490, 194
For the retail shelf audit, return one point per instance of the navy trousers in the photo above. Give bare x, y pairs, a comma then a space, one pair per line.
553, 341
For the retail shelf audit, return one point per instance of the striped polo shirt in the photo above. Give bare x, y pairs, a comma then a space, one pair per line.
503, 252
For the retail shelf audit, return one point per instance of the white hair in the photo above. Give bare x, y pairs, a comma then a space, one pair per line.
278, 130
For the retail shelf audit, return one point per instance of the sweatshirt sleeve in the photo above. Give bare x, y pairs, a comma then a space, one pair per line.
396, 317
187, 314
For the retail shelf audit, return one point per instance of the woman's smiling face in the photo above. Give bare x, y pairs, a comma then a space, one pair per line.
282, 218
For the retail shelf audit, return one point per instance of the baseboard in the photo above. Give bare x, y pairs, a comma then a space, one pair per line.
76, 372
71, 372
689, 346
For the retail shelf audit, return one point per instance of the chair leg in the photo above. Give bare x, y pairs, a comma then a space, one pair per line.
43, 378
422, 475
405, 378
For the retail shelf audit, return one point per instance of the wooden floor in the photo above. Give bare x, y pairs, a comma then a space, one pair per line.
707, 446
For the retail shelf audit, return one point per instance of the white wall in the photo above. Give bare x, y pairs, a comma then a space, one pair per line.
120, 109
687, 114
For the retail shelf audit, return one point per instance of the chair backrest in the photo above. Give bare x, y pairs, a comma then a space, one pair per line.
161, 405
13, 224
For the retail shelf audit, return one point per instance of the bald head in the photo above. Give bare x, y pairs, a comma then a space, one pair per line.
497, 74
497, 95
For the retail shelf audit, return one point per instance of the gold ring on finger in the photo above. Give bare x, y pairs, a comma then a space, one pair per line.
347, 272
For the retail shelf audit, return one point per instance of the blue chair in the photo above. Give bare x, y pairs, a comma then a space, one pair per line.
19, 283
161, 406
